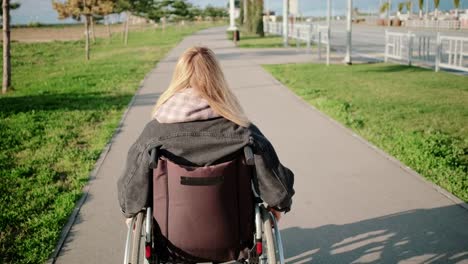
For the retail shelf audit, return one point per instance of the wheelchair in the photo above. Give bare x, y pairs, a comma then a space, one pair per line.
146, 243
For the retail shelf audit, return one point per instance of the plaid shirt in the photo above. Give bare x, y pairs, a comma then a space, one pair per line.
184, 106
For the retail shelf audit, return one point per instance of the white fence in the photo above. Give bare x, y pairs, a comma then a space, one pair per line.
437, 24
449, 52
452, 53
308, 33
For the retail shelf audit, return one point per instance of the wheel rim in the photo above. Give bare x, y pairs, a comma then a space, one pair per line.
268, 235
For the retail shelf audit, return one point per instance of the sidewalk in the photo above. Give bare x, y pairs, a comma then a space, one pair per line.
352, 203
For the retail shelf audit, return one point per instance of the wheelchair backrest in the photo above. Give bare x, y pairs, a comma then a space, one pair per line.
204, 213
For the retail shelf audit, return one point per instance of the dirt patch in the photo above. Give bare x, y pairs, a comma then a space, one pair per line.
64, 33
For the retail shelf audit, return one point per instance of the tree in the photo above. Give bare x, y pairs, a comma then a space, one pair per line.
436, 5
6, 7
409, 7
421, 7
181, 8
258, 18
384, 7
103, 9
249, 14
456, 4
401, 6
12, 7
215, 12
196, 12
135, 7
78, 9
241, 13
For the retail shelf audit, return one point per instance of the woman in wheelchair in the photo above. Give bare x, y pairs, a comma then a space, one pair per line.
203, 167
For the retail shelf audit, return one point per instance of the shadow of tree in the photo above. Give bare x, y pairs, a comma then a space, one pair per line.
436, 235
389, 68
71, 101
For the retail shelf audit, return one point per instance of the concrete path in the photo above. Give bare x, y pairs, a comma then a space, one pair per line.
353, 203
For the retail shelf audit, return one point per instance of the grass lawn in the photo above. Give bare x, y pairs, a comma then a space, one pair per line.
54, 124
248, 40
418, 116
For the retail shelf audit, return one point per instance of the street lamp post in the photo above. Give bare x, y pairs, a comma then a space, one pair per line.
347, 59
285, 22
232, 24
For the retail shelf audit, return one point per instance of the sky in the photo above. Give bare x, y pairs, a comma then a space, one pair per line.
41, 10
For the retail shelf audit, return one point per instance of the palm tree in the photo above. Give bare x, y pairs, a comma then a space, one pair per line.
409, 7
401, 5
436, 5
384, 7
456, 3
421, 7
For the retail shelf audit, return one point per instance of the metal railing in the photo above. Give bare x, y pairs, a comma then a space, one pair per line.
452, 52
449, 52
308, 33
436, 24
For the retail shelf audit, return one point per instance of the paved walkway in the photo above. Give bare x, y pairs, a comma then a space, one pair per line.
353, 204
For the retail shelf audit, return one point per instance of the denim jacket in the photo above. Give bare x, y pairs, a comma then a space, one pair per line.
203, 143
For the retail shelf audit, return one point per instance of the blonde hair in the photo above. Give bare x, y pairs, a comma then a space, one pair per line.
198, 68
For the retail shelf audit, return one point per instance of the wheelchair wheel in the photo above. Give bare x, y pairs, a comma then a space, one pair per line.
137, 239
268, 236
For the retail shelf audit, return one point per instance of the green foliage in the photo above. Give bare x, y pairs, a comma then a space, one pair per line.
421, 4
258, 18
408, 5
401, 6
456, 3
241, 13
254, 22
414, 114
215, 12
12, 7
54, 125
436, 3
384, 7
35, 25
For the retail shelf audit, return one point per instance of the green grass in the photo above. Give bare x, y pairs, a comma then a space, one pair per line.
54, 124
418, 116
249, 40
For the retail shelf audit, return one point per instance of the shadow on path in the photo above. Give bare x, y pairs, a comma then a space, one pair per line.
416, 236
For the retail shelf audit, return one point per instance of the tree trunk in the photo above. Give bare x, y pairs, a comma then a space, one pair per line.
126, 29
259, 18
92, 28
420, 13
246, 11
6, 47
87, 20
109, 33
123, 28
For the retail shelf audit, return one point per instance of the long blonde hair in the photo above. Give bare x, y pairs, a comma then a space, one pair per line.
198, 68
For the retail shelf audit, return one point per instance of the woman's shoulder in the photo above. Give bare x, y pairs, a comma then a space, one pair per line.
216, 126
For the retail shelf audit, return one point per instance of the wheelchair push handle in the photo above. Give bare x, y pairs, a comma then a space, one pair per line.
249, 156
154, 158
